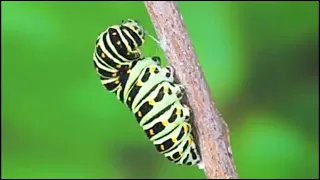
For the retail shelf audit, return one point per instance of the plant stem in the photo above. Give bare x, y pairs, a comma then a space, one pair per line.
211, 131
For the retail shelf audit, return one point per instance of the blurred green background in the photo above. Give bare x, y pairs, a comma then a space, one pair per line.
259, 58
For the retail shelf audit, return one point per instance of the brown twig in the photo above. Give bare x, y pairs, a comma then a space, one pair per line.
210, 128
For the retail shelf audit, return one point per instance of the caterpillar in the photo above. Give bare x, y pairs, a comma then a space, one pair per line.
149, 91
115, 49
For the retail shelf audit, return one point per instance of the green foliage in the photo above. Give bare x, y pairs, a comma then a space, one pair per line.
259, 58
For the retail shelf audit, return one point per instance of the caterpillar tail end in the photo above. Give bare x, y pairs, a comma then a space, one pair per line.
200, 165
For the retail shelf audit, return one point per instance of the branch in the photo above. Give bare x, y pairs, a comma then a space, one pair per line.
210, 129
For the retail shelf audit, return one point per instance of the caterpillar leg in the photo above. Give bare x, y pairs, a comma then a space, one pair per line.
170, 73
171, 70
181, 90
186, 112
167, 72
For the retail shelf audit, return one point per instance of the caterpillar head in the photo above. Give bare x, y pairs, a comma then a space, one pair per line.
136, 27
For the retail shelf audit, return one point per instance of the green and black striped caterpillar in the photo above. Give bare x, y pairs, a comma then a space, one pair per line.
147, 89
116, 48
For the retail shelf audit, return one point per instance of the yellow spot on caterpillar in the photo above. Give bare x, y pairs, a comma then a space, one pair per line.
152, 102
165, 90
114, 33
139, 83
128, 71
162, 147
97, 69
178, 112
174, 139
180, 152
186, 129
189, 140
117, 82
152, 69
103, 55
165, 123
129, 98
114, 74
139, 114
118, 42
151, 132
118, 66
